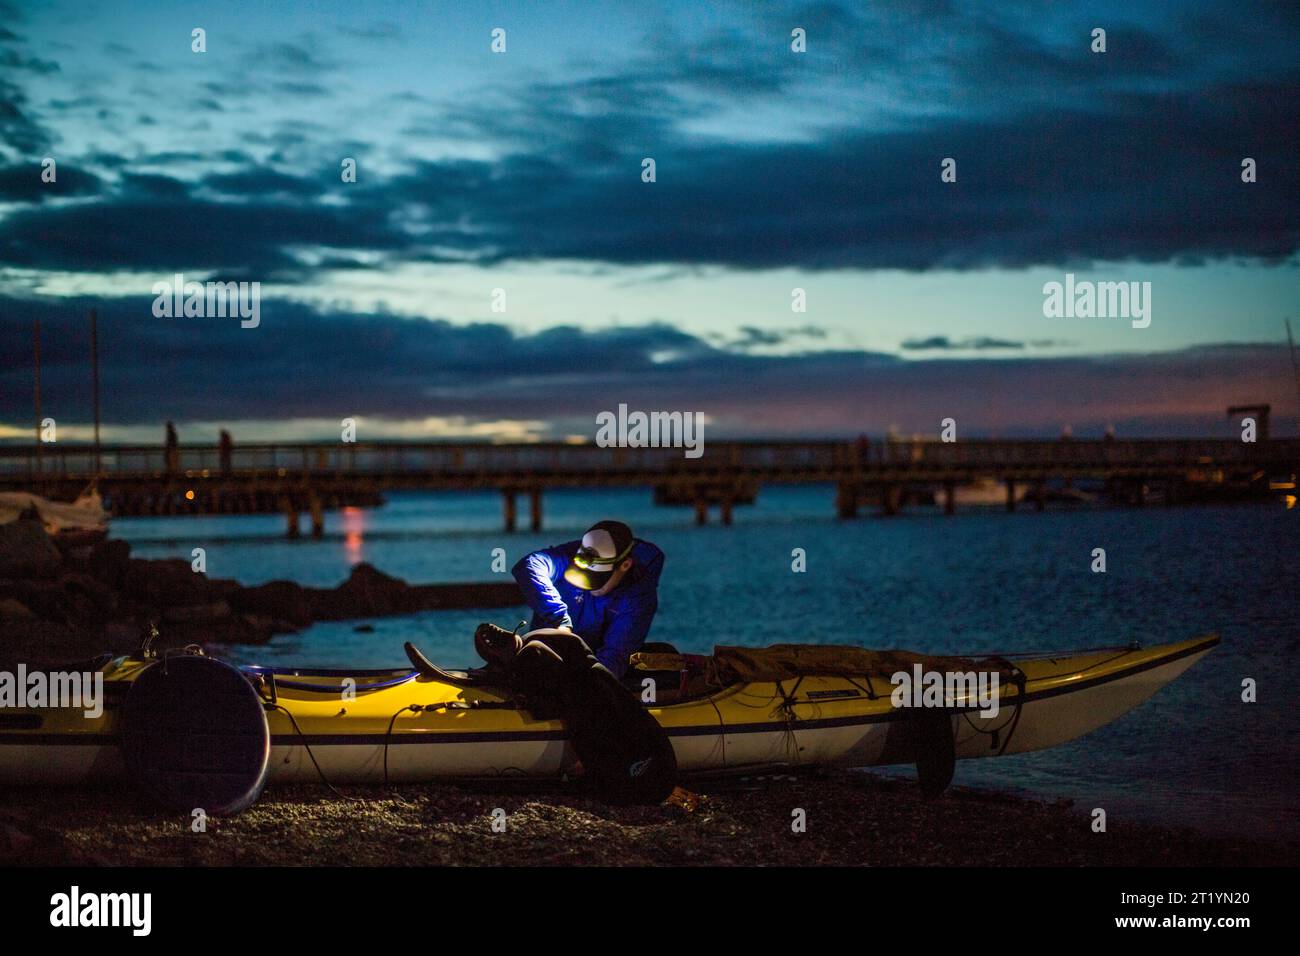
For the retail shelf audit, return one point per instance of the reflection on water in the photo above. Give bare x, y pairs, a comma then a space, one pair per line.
980, 581
354, 528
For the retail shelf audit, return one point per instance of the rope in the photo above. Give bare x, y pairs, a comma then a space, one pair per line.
306, 746
414, 708
722, 728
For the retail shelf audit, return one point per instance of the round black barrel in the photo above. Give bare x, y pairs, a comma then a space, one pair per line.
194, 736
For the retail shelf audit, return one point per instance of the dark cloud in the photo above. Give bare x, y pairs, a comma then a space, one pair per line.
301, 89
943, 343
754, 337
305, 363
1158, 181
1155, 180
376, 32
22, 183
261, 181
155, 186
14, 60
20, 133
1064, 157
300, 57
141, 233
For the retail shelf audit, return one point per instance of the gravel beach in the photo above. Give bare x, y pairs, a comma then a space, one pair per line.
852, 819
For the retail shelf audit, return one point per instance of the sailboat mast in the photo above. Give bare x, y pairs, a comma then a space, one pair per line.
36, 389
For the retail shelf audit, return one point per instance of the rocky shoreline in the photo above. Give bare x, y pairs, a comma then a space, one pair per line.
852, 819
60, 603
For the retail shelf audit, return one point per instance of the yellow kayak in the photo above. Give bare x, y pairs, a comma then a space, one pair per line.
739, 711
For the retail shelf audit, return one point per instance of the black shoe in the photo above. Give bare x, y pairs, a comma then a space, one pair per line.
495, 644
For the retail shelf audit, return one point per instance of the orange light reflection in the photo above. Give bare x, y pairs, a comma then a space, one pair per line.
354, 526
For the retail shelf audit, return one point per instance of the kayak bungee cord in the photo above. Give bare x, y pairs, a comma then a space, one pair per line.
1013, 722
414, 708
722, 727
428, 708
306, 746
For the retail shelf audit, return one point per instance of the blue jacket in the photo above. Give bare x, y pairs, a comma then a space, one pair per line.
614, 625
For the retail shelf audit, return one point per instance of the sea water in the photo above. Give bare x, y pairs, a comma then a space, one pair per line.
979, 581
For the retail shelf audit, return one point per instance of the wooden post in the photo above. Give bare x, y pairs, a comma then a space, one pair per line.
508, 502
37, 394
317, 515
725, 510
701, 510
1039, 503
1011, 495
846, 501
890, 498
535, 508
949, 497
291, 516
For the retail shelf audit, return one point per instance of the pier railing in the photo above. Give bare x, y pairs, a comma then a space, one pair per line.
788, 460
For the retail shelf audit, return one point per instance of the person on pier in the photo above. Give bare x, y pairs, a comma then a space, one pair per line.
603, 588
172, 451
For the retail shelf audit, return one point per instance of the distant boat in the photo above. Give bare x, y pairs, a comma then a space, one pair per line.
1069, 496
83, 521
985, 492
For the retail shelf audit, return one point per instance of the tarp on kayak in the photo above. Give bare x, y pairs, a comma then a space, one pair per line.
787, 661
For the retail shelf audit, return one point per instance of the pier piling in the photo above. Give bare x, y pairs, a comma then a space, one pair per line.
508, 503
535, 509
317, 516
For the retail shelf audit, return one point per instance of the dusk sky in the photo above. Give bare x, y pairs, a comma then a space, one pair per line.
775, 170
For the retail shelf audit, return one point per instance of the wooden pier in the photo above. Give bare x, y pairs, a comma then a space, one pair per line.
312, 478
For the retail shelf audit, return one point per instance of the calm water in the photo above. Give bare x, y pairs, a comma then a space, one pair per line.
975, 582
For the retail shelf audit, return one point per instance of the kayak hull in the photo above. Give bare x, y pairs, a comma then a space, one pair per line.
471, 732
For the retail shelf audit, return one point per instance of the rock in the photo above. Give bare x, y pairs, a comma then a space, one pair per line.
489, 594
281, 600
167, 582
43, 598
24, 842
36, 643
123, 635
257, 629
197, 613
87, 599
370, 593
367, 592
26, 551
11, 610
110, 561
72, 599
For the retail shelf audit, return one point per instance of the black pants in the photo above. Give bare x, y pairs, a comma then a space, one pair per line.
626, 754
